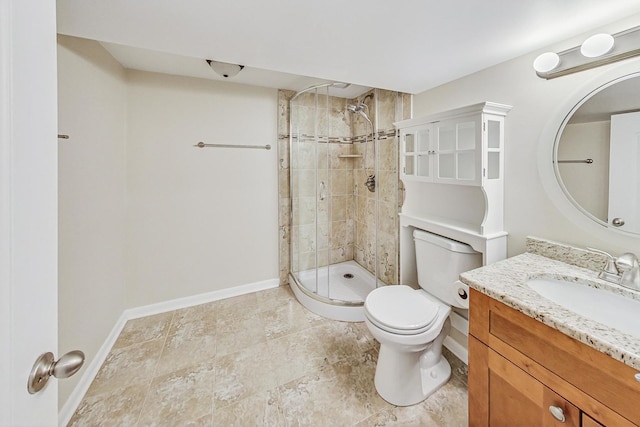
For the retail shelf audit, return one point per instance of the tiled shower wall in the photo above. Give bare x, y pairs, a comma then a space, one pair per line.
347, 215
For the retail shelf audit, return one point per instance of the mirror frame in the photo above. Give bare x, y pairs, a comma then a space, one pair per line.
548, 145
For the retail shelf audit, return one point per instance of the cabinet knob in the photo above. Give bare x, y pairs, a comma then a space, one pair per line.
617, 222
557, 413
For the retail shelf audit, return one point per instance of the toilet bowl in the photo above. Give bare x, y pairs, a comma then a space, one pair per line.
411, 324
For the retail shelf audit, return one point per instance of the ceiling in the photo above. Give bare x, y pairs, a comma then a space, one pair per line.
404, 45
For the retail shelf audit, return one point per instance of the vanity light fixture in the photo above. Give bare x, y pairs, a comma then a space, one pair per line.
597, 50
225, 69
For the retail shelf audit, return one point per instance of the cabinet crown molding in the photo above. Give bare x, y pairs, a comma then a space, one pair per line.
482, 107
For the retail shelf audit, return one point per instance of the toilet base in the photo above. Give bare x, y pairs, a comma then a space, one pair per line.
417, 388
405, 378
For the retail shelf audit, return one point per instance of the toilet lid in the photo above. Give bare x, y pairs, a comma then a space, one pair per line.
400, 308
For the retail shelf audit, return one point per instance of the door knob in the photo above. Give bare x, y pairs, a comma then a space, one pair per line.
46, 365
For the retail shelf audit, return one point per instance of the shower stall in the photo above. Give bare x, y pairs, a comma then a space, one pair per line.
343, 196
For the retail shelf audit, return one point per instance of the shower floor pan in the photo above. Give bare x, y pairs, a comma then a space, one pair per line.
346, 285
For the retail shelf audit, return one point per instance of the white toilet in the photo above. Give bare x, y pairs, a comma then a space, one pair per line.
411, 325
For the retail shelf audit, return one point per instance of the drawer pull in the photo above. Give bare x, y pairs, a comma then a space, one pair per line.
557, 413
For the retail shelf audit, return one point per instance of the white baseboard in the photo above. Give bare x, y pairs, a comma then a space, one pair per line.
461, 325
176, 304
90, 372
456, 348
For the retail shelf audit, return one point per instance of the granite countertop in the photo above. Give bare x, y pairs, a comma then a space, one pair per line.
505, 281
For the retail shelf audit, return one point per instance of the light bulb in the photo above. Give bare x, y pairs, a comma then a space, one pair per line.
597, 45
546, 62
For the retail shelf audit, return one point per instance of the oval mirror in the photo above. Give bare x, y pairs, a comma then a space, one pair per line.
597, 154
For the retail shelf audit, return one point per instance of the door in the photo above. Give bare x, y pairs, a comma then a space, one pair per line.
28, 207
624, 179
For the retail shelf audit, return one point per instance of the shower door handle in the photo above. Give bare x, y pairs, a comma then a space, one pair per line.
323, 194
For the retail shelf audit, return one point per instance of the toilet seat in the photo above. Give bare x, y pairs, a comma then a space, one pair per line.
400, 309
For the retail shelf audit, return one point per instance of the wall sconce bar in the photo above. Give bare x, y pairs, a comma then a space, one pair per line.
626, 45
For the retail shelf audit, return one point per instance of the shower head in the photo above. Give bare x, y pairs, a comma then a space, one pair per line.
363, 114
358, 109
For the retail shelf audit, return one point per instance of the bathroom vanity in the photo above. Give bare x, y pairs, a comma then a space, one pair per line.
533, 362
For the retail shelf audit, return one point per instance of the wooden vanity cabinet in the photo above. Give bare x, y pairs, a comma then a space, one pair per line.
522, 372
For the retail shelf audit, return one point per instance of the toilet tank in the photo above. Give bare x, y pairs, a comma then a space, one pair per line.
440, 261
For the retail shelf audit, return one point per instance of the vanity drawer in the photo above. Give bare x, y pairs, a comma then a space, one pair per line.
601, 386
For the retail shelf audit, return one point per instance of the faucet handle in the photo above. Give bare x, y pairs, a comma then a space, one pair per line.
626, 262
610, 266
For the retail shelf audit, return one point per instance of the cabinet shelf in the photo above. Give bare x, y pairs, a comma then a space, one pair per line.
350, 156
460, 231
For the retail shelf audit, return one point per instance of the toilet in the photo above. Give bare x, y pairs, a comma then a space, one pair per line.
411, 325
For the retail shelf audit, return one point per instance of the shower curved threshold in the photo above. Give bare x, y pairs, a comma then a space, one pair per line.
350, 284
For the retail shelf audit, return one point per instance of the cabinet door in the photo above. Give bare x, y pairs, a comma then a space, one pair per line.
494, 134
587, 421
417, 153
508, 396
458, 150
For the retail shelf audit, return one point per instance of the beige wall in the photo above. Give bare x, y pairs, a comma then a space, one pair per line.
529, 209
92, 111
199, 220
144, 216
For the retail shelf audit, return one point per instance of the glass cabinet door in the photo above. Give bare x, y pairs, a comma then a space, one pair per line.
458, 150
417, 152
494, 149
425, 153
409, 153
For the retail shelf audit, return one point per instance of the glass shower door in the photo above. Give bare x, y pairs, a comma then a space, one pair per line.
323, 192
310, 200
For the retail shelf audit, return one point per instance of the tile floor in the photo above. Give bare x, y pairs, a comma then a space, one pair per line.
255, 360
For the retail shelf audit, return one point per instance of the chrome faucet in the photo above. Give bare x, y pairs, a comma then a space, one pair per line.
624, 270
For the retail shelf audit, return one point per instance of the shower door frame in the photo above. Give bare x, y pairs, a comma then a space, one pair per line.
293, 275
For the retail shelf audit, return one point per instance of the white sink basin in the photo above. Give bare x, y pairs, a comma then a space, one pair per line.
602, 306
